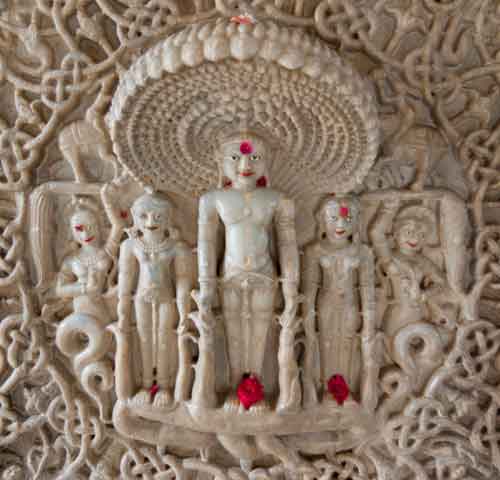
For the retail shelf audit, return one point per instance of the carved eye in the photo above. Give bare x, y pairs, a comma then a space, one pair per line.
144, 216
79, 228
157, 217
235, 158
348, 219
334, 219
254, 157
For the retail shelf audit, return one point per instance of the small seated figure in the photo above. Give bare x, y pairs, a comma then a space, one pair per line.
249, 277
336, 318
415, 279
83, 278
155, 271
422, 308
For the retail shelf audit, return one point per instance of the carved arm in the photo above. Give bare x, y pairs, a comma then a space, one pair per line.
382, 225
288, 250
65, 288
117, 223
184, 284
311, 281
371, 347
208, 220
128, 268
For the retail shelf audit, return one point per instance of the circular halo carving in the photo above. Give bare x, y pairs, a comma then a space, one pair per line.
180, 98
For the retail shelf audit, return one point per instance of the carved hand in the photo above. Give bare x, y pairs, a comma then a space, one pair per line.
92, 286
207, 295
291, 295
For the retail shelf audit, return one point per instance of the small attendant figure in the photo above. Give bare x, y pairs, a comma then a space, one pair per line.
336, 267
155, 271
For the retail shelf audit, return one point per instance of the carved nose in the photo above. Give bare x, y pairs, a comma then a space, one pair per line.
244, 164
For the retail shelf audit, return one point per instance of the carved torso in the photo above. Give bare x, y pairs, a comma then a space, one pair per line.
155, 283
247, 218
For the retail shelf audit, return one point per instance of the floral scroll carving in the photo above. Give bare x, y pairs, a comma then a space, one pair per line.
297, 200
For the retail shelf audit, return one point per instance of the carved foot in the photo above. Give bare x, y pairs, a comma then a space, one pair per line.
289, 408
142, 398
232, 404
329, 399
259, 408
163, 399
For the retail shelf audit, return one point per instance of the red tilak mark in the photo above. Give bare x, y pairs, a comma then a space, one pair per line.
154, 390
245, 19
339, 389
246, 148
262, 182
79, 228
344, 211
123, 214
250, 391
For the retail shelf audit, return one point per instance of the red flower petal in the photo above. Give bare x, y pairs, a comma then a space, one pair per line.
262, 182
123, 213
344, 211
246, 148
228, 183
250, 391
154, 390
339, 389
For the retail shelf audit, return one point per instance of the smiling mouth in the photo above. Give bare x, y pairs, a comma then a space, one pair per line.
246, 174
152, 228
412, 245
88, 240
340, 231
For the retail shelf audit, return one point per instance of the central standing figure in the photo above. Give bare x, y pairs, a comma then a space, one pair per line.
253, 265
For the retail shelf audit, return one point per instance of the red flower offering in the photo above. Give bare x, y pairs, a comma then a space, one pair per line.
344, 211
262, 182
154, 390
339, 389
244, 19
250, 391
246, 148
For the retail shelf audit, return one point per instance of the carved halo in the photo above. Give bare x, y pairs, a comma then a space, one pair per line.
179, 99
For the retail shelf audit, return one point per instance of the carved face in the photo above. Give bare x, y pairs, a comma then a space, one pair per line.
243, 162
151, 216
410, 235
340, 218
85, 228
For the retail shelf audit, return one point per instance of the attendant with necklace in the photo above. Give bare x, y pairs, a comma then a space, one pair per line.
154, 272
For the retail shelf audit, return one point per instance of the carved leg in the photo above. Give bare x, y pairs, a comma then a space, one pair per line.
144, 316
167, 358
263, 300
235, 337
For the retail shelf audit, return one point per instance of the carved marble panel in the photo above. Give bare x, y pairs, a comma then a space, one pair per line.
249, 239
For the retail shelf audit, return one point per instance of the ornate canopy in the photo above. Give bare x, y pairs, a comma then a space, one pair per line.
176, 102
